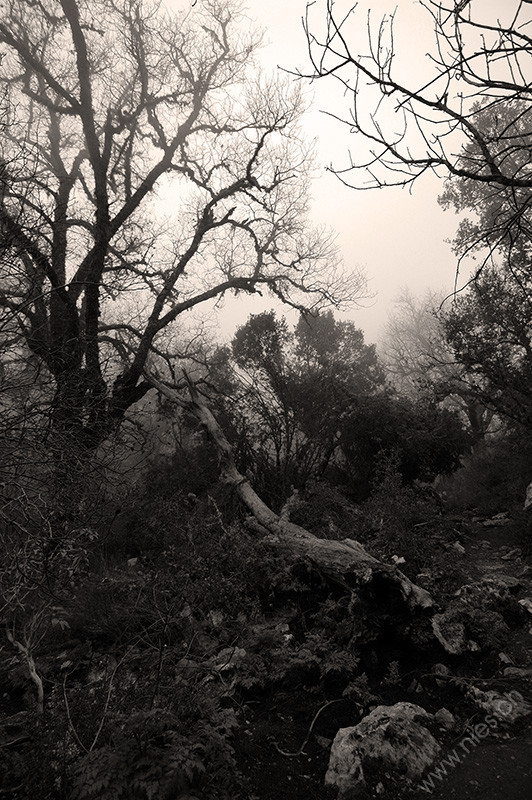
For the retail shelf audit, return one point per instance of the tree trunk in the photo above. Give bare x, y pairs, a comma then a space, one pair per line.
344, 562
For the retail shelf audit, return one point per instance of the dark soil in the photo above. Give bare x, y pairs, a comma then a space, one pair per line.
495, 770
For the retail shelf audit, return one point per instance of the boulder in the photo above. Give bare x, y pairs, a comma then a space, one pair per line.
391, 739
505, 708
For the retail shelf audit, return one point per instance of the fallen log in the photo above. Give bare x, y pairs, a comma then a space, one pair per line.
344, 562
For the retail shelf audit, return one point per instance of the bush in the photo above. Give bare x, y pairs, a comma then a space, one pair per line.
424, 440
398, 519
493, 478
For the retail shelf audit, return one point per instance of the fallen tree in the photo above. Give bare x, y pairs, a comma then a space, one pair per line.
343, 562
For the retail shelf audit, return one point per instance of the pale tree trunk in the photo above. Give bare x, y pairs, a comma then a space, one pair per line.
344, 562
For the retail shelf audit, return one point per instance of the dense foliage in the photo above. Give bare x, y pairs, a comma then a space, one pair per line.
313, 404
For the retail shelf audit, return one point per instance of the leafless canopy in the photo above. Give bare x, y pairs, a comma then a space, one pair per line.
411, 120
147, 168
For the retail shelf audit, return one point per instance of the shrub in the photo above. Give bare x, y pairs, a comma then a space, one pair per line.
493, 478
398, 519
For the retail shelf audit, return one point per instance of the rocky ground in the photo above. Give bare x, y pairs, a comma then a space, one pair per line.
487, 553
500, 768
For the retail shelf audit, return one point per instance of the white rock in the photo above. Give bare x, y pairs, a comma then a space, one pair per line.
528, 497
505, 659
393, 737
526, 602
506, 708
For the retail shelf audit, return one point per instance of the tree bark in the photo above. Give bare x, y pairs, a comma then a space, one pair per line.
344, 562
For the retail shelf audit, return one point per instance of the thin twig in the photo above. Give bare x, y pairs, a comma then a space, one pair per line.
307, 737
69, 718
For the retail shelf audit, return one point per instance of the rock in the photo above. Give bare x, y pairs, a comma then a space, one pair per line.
391, 739
526, 603
487, 629
505, 708
445, 719
518, 672
496, 521
217, 618
490, 589
451, 633
504, 581
398, 560
424, 579
441, 673
515, 553
479, 616
323, 742
528, 497
132, 562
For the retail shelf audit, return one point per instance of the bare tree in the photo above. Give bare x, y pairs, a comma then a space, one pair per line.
159, 171
423, 124
420, 360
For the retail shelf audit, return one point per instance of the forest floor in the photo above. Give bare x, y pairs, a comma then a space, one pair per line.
288, 678
499, 768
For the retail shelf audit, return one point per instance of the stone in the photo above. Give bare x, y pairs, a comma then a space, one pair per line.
391, 739
526, 603
505, 658
499, 519
518, 672
450, 633
324, 742
505, 708
445, 719
515, 553
398, 560
528, 497
479, 615
424, 579
489, 589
